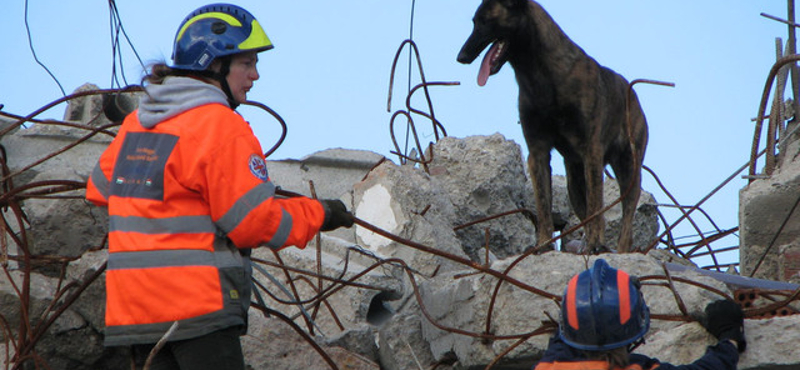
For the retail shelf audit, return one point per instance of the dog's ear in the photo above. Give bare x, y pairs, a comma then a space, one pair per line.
515, 5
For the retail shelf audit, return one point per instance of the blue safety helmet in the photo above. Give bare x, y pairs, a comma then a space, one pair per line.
602, 309
215, 31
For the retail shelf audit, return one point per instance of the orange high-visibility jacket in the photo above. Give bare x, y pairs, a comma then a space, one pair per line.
183, 198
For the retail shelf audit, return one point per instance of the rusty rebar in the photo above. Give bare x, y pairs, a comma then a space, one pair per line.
409, 109
454, 258
762, 107
413, 46
62, 150
437, 125
410, 123
277, 117
675, 202
317, 290
525, 212
58, 101
57, 123
705, 198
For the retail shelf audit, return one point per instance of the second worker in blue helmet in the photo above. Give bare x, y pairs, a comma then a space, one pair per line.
604, 318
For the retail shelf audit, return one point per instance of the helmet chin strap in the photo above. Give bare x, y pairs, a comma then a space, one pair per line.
222, 77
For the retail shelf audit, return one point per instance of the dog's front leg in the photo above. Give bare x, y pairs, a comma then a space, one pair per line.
539, 169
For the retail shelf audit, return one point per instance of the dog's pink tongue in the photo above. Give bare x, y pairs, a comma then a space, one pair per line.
486, 65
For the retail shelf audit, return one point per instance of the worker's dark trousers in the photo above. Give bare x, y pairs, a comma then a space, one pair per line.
217, 350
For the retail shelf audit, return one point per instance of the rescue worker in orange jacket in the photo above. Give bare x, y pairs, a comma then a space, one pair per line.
188, 195
604, 317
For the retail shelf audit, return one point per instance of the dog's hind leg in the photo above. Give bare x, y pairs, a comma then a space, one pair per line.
576, 187
539, 169
629, 175
595, 227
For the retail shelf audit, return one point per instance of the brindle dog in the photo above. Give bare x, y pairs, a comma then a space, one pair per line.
569, 102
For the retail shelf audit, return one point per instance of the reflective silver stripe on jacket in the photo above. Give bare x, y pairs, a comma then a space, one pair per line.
234, 277
169, 225
125, 335
280, 236
249, 201
173, 258
100, 181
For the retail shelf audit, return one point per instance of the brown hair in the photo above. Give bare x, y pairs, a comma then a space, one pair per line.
160, 71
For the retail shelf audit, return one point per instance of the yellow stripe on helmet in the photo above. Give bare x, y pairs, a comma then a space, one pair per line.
218, 15
257, 40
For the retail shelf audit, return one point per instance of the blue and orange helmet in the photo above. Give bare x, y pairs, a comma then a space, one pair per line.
602, 309
214, 31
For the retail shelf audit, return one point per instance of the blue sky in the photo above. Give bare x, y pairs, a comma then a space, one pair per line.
328, 75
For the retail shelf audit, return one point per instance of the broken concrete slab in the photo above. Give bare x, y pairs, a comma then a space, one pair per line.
47, 234
361, 340
5, 123
412, 205
485, 176
402, 345
771, 344
42, 290
87, 303
769, 223
272, 344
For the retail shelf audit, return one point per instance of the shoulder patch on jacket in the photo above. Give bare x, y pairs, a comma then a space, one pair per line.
258, 167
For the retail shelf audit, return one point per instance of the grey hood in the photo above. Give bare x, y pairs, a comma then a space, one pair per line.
174, 96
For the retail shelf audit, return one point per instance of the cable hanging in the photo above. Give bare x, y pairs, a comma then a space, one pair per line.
33, 52
116, 51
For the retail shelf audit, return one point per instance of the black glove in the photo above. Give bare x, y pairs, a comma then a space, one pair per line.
725, 320
336, 215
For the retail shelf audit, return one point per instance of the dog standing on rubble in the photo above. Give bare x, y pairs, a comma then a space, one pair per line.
569, 102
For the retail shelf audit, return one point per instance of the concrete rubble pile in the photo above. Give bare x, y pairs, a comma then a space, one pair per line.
398, 302
768, 207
